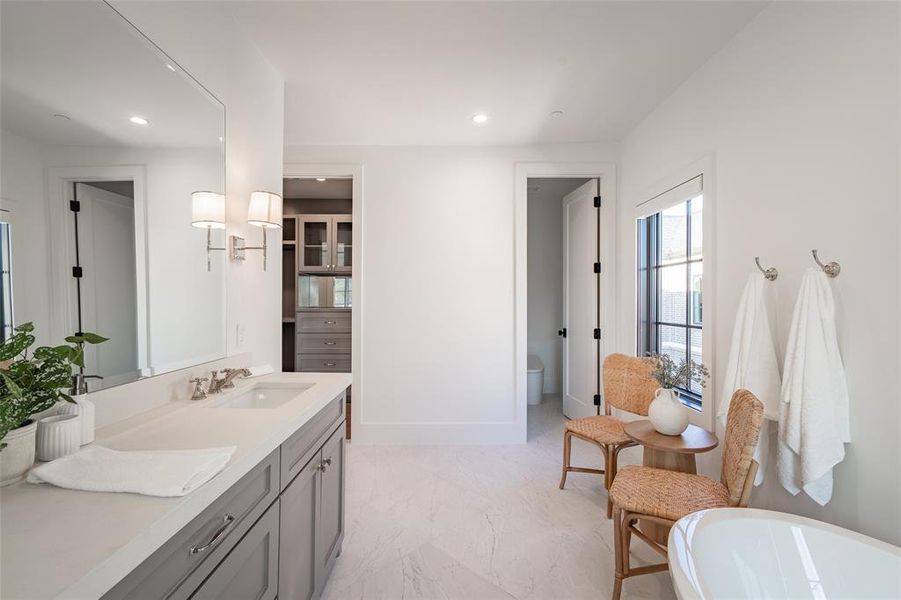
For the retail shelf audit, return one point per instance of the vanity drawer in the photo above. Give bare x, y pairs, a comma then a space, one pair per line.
324, 343
323, 363
324, 322
180, 566
298, 449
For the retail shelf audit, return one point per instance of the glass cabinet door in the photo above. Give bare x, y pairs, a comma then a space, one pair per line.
315, 253
343, 239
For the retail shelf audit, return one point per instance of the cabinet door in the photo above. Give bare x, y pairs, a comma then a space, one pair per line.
251, 568
299, 520
331, 533
342, 240
315, 239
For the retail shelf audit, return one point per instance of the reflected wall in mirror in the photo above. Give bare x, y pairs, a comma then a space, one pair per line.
104, 139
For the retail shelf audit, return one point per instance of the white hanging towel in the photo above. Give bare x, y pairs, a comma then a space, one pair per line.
752, 364
151, 473
813, 418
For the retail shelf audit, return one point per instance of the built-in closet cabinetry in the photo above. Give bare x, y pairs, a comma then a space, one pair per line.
325, 243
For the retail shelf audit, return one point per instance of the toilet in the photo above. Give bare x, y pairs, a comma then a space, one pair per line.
534, 379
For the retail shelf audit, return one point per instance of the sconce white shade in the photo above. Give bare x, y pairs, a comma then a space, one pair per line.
265, 210
208, 210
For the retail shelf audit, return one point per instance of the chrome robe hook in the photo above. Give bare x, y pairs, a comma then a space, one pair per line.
771, 274
832, 269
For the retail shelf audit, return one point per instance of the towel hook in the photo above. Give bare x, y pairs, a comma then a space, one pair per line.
831, 269
771, 274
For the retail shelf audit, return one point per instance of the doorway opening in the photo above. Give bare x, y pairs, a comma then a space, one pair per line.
562, 296
317, 276
103, 252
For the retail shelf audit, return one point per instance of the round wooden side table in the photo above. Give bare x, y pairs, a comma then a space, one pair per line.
671, 452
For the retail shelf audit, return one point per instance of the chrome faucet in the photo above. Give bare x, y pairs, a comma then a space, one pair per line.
227, 380
80, 383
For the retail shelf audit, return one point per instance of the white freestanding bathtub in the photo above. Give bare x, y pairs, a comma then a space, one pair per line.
731, 553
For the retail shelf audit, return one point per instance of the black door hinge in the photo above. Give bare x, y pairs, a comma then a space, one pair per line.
597, 201
74, 205
597, 267
597, 334
597, 399
77, 272
562, 332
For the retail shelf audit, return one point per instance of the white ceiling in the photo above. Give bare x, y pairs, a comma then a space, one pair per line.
415, 72
82, 59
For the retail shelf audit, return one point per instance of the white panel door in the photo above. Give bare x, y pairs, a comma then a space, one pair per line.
106, 235
580, 301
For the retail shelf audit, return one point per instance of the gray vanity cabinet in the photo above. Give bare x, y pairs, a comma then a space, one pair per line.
251, 569
299, 525
276, 533
331, 519
312, 522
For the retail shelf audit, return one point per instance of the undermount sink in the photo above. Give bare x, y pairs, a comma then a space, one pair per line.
750, 553
263, 396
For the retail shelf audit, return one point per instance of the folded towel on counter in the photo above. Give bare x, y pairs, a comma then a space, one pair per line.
260, 370
752, 363
151, 472
813, 421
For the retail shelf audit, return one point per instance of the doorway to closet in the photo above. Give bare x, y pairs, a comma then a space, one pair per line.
317, 276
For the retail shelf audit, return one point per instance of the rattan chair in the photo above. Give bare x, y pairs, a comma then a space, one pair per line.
627, 386
663, 497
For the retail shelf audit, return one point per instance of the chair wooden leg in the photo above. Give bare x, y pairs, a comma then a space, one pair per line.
628, 520
617, 553
567, 450
608, 476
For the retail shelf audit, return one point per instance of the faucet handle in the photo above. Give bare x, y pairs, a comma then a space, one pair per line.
199, 393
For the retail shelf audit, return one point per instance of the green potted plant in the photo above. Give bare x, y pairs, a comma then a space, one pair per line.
31, 383
666, 412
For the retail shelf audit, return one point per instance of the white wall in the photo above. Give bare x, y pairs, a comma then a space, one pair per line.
438, 288
204, 39
801, 113
545, 290
22, 183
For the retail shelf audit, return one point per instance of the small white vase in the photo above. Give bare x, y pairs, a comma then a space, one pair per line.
85, 408
59, 435
18, 455
667, 414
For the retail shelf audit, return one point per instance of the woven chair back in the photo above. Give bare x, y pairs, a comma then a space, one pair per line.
627, 383
742, 430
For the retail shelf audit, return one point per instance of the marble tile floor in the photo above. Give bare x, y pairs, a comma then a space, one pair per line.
482, 523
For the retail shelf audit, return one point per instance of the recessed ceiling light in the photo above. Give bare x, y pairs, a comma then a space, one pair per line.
139, 120
320, 179
170, 67
556, 113
62, 116
479, 118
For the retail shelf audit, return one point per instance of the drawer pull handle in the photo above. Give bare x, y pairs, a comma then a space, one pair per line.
220, 534
331, 364
331, 322
329, 343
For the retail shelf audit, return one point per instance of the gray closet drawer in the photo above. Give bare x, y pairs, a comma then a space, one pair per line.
324, 343
323, 363
250, 571
298, 449
324, 322
178, 568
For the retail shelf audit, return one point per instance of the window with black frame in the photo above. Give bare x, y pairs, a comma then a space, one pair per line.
670, 277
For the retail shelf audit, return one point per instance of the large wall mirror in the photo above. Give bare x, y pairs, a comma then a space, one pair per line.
104, 140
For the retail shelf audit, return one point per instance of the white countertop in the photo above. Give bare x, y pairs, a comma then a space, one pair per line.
58, 543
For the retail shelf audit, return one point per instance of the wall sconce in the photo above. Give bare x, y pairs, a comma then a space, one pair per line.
208, 212
265, 211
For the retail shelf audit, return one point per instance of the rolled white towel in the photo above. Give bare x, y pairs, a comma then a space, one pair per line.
164, 473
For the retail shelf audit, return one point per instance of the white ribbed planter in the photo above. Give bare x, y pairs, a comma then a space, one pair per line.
84, 408
58, 436
18, 455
